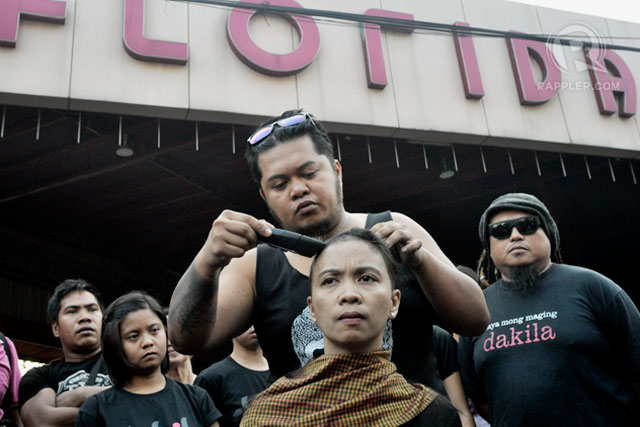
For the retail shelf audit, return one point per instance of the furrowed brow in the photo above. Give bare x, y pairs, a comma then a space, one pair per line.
367, 268
329, 271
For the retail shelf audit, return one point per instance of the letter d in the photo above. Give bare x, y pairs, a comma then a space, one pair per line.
490, 342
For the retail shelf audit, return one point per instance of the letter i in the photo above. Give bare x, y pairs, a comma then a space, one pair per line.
528, 341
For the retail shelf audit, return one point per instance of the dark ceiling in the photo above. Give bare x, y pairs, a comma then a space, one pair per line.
70, 209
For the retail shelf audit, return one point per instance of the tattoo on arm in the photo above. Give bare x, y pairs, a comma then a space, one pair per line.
195, 301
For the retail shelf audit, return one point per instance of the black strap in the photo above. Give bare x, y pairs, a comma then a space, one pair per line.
373, 219
5, 402
94, 371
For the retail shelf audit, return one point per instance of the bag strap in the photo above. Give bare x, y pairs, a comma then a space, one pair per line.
94, 371
373, 219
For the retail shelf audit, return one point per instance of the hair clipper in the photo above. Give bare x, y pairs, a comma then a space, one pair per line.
291, 241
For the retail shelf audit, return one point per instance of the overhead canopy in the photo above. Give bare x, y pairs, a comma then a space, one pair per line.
70, 209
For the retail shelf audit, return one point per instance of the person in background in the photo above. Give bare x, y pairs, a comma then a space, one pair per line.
134, 346
446, 349
9, 382
51, 395
233, 381
563, 346
353, 296
480, 279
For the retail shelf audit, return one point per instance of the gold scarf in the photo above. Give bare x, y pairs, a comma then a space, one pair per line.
341, 390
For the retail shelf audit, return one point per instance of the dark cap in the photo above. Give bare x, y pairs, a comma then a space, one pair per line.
522, 202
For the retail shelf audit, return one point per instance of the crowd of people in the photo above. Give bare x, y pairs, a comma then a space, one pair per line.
347, 337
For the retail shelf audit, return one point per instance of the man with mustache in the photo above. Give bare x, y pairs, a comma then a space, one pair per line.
563, 346
51, 395
232, 284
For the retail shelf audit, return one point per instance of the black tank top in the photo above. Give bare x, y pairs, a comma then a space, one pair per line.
289, 338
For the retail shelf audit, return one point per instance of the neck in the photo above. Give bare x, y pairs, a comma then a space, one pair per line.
74, 356
331, 348
510, 274
249, 358
345, 222
149, 384
182, 372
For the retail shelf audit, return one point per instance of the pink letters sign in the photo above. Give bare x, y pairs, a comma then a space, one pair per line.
604, 84
267, 62
12, 10
140, 47
372, 46
609, 74
530, 91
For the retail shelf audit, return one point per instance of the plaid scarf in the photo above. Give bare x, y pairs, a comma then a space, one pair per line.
341, 390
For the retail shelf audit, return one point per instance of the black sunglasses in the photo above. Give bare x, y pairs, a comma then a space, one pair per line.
525, 225
262, 133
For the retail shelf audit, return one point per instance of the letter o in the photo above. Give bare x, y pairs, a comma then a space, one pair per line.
271, 63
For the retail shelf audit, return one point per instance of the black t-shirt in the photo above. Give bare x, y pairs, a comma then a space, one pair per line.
439, 413
561, 353
289, 338
176, 405
446, 349
61, 376
231, 386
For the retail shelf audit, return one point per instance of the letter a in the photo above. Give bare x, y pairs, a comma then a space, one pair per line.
547, 333
604, 85
502, 341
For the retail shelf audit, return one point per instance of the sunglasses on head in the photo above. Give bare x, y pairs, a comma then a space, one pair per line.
525, 225
262, 133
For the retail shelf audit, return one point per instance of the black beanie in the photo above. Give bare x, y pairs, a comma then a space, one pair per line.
522, 202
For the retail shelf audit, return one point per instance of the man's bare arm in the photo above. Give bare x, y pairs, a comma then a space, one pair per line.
41, 411
76, 397
219, 284
453, 386
192, 311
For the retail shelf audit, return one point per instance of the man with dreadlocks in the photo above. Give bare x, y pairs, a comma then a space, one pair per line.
563, 346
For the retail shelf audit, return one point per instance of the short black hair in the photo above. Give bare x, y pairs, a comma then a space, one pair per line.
64, 289
313, 128
366, 236
119, 367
